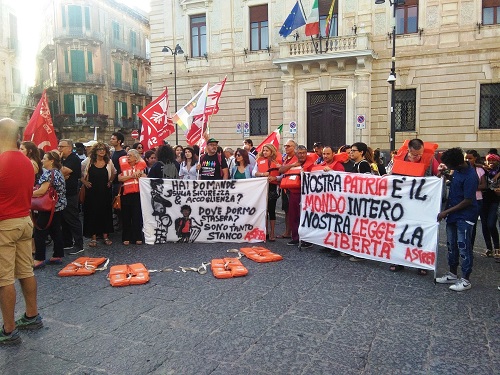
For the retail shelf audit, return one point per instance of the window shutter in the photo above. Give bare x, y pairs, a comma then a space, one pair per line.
258, 13
90, 65
69, 104
87, 18
63, 15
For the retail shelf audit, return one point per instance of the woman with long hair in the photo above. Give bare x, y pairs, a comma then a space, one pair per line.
139, 147
179, 154
165, 156
268, 166
97, 178
31, 151
489, 208
242, 169
132, 167
51, 176
188, 166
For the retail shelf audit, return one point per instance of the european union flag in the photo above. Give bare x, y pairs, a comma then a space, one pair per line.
294, 20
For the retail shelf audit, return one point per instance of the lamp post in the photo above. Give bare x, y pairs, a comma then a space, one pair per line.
392, 75
176, 51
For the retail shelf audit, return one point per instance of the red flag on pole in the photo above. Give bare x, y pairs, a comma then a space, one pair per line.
199, 125
156, 122
40, 129
273, 138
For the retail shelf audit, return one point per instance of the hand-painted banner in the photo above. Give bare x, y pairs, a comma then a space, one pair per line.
390, 219
203, 211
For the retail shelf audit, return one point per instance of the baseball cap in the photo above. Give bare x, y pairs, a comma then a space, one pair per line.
90, 143
212, 140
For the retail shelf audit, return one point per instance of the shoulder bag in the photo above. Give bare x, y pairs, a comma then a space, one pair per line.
46, 202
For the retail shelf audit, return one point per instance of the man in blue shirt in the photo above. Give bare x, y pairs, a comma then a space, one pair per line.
461, 214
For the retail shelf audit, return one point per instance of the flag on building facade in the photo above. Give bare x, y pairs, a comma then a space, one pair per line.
157, 123
329, 19
196, 106
294, 20
273, 138
312, 25
40, 129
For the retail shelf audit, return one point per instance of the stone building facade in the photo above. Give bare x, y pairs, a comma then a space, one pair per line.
94, 63
447, 69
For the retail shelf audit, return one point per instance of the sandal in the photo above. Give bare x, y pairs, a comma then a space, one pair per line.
92, 243
38, 264
496, 255
138, 242
126, 243
421, 272
396, 268
487, 254
55, 260
282, 236
107, 242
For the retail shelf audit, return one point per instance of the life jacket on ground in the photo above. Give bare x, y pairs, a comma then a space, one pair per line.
128, 274
227, 268
408, 168
83, 266
260, 254
265, 165
131, 185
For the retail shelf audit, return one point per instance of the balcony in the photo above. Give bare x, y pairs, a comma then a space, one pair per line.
325, 50
121, 86
87, 78
79, 33
141, 90
139, 53
20, 100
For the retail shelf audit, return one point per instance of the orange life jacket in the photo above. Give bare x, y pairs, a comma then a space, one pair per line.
291, 178
260, 254
408, 168
131, 185
336, 164
82, 266
128, 274
265, 165
227, 268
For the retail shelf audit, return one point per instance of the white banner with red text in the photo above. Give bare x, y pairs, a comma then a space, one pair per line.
203, 211
390, 219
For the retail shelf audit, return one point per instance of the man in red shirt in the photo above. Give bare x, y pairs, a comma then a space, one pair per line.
16, 228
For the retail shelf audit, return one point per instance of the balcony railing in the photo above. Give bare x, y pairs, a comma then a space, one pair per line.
122, 86
325, 45
20, 100
90, 78
78, 33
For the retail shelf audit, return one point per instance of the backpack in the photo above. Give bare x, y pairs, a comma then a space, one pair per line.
169, 171
373, 170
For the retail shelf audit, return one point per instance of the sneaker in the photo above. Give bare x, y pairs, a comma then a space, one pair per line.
69, 247
344, 255
461, 285
305, 245
293, 243
355, 259
447, 278
23, 323
77, 252
12, 338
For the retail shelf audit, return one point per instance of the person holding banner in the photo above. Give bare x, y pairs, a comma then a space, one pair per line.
460, 214
267, 166
289, 159
242, 169
291, 182
188, 170
212, 165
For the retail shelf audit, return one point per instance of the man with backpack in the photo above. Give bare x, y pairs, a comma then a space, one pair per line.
213, 165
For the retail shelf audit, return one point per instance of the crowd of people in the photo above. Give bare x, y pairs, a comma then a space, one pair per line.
89, 176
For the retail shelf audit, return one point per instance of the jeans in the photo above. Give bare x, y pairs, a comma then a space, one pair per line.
71, 224
489, 219
459, 236
55, 233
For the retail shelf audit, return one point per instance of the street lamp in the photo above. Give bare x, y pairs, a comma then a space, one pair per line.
392, 77
176, 51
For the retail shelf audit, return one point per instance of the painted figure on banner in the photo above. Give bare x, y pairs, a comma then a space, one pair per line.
186, 231
159, 203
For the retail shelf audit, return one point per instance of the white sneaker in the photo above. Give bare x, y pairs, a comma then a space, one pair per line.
447, 278
356, 259
461, 285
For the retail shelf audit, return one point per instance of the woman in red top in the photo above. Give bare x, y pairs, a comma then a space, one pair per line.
267, 166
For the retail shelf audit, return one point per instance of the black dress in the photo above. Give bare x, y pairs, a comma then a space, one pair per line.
97, 210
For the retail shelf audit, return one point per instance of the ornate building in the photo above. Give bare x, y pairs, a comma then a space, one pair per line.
94, 62
447, 86
14, 101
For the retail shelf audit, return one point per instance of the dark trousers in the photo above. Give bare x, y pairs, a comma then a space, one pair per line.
131, 217
71, 224
55, 233
294, 214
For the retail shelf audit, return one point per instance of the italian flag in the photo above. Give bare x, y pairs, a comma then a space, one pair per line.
312, 25
273, 138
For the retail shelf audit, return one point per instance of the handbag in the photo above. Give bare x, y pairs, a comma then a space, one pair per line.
81, 194
117, 202
46, 202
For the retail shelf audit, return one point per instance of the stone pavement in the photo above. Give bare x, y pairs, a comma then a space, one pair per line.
308, 314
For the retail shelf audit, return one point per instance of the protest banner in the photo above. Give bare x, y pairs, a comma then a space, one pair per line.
390, 219
203, 211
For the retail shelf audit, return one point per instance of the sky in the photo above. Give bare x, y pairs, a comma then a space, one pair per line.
29, 24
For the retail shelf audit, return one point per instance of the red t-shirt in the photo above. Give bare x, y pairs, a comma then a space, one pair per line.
16, 185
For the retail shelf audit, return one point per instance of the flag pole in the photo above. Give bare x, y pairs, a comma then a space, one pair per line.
312, 39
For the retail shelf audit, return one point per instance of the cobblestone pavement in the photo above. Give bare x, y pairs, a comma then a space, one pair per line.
308, 314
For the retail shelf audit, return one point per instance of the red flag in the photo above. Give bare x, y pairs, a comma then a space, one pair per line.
157, 123
273, 138
40, 129
200, 122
